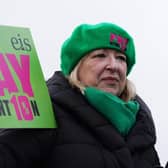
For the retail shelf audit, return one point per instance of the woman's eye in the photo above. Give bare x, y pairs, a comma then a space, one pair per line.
99, 56
122, 58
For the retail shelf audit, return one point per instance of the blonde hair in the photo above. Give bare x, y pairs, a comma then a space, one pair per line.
128, 93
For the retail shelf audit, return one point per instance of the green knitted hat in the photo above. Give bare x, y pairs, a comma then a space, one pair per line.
86, 38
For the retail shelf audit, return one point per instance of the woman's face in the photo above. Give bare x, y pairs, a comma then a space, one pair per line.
105, 69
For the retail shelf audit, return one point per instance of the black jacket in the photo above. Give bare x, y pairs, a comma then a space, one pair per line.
83, 139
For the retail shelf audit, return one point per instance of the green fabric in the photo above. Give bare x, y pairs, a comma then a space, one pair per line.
86, 38
120, 113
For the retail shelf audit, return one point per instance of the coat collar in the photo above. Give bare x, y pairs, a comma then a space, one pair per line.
141, 135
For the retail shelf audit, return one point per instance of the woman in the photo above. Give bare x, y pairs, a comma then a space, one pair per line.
102, 123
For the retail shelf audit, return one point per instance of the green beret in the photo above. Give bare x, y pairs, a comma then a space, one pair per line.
86, 38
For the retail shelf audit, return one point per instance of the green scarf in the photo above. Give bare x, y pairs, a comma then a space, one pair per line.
120, 113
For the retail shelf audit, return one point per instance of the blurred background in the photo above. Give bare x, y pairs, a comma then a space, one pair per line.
51, 22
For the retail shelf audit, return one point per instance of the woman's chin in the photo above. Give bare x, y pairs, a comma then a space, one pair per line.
110, 90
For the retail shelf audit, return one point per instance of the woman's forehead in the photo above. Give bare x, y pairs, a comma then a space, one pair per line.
103, 50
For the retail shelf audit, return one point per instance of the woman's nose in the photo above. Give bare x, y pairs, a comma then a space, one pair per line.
111, 63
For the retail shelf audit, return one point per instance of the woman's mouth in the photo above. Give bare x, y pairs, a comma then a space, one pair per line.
110, 80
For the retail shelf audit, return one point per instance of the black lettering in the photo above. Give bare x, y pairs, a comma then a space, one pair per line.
2, 110
6, 103
34, 108
15, 43
19, 43
26, 43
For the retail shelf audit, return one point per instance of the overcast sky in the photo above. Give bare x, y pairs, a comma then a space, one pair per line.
51, 21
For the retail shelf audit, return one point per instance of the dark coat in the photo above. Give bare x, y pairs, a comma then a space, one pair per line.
83, 139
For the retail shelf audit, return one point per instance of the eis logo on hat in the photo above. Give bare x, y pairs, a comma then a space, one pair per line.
119, 41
